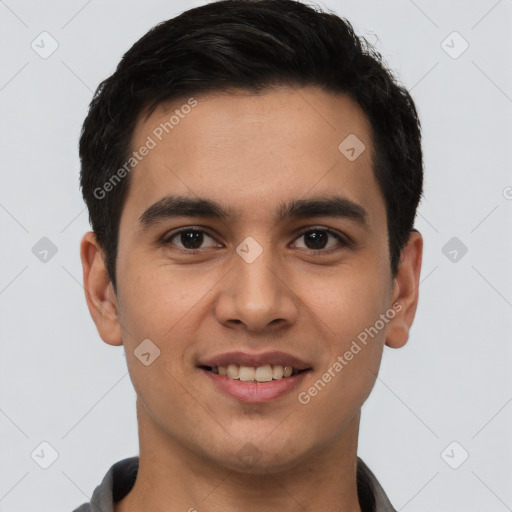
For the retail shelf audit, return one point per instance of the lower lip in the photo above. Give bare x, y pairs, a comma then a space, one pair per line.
255, 392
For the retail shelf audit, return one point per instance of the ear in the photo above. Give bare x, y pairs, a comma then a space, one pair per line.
405, 291
99, 292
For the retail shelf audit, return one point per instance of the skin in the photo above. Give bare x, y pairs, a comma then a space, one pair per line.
251, 153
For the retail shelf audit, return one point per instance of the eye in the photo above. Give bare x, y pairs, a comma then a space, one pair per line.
317, 239
191, 239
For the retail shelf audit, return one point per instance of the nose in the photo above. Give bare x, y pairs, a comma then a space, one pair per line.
257, 296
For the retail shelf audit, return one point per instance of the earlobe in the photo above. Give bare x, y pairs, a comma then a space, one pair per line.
99, 292
405, 292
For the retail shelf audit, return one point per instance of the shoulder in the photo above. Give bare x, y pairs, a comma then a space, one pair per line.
372, 496
116, 483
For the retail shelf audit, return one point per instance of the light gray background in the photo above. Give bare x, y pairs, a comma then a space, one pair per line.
452, 382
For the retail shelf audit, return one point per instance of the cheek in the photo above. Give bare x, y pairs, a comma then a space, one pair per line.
347, 302
157, 300
347, 309
154, 307
352, 350
167, 307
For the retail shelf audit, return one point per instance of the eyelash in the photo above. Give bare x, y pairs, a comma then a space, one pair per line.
318, 252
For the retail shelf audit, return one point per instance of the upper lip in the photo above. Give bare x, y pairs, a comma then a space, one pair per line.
255, 360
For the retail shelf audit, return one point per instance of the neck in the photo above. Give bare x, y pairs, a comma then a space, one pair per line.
173, 478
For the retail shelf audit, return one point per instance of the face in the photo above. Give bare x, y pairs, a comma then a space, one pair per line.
285, 262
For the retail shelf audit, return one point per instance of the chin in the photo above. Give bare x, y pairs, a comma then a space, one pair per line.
255, 462
259, 455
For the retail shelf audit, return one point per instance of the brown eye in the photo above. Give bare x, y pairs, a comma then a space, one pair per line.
317, 239
190, 239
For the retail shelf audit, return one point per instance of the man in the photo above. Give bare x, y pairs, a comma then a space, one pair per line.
252, 172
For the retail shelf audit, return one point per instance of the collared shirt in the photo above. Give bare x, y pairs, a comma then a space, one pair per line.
120, 479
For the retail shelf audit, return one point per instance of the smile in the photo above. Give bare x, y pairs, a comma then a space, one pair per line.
265, 373
254, 377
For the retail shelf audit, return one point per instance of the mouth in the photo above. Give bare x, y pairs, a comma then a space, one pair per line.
265, 373
255, 378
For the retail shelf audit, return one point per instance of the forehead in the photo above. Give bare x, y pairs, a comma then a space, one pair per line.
252, 152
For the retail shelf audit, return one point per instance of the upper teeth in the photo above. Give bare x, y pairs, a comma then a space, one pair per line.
260, 374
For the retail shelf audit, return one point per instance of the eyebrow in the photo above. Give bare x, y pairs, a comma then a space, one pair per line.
181, 206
